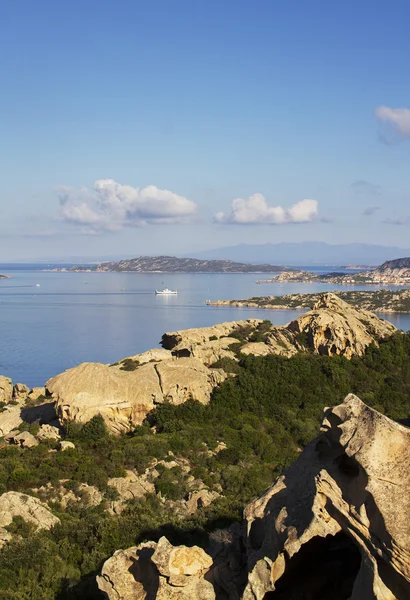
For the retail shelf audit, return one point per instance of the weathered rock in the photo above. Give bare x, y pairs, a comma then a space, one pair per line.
10, 419
336, 524
129, 487
32, 510
36, 393
48, 432
123, 398
20, 390
66, 446
6, 389
199, 499
157, 571
336, 327
153, 355
23, 439
199, 336
208, 352
186, 378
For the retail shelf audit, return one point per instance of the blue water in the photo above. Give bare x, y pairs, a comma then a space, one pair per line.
77, 317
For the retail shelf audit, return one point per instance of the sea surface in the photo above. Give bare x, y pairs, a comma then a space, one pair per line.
51, 321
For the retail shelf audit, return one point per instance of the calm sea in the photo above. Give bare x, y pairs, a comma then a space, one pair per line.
50, 322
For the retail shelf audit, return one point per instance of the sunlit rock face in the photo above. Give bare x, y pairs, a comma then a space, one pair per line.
124, 397
336, 524
336, 327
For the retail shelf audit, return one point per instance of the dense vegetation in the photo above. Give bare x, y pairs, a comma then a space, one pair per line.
383, 300
265, 415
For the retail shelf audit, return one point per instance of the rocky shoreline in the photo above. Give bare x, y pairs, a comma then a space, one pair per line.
393, 272
379, 301
332, 525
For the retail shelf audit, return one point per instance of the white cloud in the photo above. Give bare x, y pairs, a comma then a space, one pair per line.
255, 210
110, 206
397, 119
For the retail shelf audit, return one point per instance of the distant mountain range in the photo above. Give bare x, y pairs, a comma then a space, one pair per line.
306, 253
172, 264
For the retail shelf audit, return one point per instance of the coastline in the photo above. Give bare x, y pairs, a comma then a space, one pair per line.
379, 301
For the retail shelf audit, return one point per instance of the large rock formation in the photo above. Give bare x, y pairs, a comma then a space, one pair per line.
6, 389
125, 392
336, 327
32, 510
336, 524
124, 397
157, 571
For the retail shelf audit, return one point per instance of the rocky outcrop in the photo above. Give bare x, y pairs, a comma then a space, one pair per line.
157, 571
129, 487
32, 510
336, 327
6, 389
20, 390
336, 525
48, 432
178, 340
123, 397
23, 439
10, 419
125, 392
66, 446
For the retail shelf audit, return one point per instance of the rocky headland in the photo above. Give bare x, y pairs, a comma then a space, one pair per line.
379, 301
123, 481
392, 272
125, 392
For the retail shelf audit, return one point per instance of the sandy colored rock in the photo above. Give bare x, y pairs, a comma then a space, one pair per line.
186, 378
10, 419
129, 487
199, 499
202, 335
24, 439
336, 327
153, 355
143, 573
123, 398
208, 352
66, 446
336, 524
32, 510
6, 389
48, 432
20, 390
36, 393
180, 560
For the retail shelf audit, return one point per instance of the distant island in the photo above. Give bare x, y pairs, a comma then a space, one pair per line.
172, 264
392, 272
381, 301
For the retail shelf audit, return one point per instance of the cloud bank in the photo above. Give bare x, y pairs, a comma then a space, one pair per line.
397, 121
110, 206
255, 210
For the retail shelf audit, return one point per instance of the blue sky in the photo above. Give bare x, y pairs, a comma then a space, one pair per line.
134, 127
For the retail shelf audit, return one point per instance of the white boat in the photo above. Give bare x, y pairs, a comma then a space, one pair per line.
165, 292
